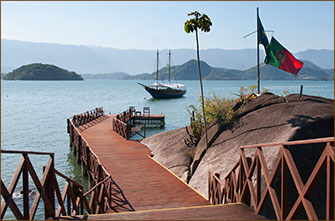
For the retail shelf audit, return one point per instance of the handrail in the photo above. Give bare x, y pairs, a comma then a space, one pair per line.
97, 185
90, 150
46, 187
81, 119
67, 178
251, 182
26, 152
100, 194
121, 126
72, 200
290, 143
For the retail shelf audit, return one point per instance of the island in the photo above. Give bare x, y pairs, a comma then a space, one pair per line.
41, 72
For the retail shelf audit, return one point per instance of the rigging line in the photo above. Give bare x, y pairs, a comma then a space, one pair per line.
166, 63
154, 67
249, 34
159, 63
255, 32
171, 65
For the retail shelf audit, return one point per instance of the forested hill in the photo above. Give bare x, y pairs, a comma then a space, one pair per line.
39, 71
189, 71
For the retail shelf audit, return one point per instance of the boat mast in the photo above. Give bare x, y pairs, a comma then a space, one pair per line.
169, 64
157, 65
258, 79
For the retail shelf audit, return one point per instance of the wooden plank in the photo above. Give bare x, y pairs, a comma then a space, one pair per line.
236, 211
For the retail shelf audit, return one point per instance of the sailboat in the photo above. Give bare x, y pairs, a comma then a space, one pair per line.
162, 91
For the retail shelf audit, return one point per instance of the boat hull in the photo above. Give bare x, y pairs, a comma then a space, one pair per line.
165, 93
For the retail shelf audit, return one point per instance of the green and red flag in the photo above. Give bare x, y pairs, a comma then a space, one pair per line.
280, 57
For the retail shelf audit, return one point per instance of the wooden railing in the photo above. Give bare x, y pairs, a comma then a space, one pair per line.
105, 190
121, 124
126, 115
47, 189
85, 155
244, 183
121, 128
81, 119
101, 197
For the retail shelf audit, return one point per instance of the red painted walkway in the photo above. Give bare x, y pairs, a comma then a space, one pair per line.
151, 190
145, 183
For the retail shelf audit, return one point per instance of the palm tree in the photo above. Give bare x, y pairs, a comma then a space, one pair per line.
202, 22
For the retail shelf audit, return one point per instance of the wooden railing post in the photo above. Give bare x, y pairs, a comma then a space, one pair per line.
79, 148
258, 179
49, 189
330, 183
284, 188
25, 190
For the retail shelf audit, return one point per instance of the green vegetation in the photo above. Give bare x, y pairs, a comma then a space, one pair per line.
224, 110
41, 72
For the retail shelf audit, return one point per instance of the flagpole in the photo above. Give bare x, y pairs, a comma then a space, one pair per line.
258, 80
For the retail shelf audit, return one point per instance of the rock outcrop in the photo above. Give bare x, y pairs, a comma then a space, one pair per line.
170, 149
266, 119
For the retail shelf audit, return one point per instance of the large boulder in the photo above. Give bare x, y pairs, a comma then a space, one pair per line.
274, 119
213, 131
170, 150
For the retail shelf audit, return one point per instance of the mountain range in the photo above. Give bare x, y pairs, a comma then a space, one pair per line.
189, 71
85, 59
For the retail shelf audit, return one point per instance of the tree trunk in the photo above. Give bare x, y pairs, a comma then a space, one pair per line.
201, 88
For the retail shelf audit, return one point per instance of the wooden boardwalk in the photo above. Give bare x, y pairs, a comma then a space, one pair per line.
236, 211
145, 184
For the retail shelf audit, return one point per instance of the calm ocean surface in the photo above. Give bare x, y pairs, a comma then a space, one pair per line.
34, 113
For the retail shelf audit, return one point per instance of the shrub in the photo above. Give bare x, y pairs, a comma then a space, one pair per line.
215, 108
223, 109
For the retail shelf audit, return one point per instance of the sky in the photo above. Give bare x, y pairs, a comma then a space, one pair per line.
298, 25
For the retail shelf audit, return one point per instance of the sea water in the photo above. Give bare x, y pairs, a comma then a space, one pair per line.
34, 113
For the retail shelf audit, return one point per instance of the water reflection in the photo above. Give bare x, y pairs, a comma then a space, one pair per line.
76, 171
